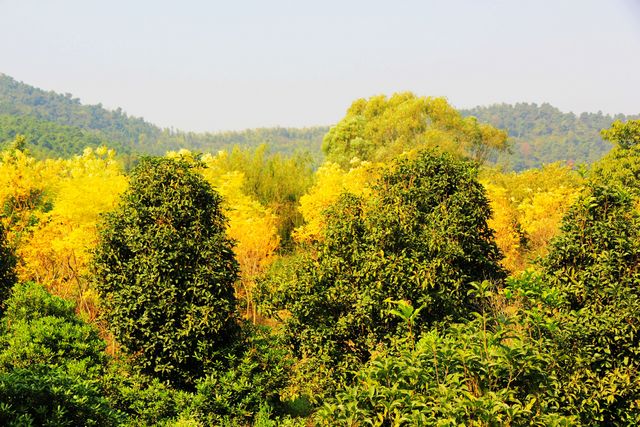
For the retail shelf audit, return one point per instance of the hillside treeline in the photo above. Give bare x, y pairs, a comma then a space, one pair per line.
57, 125
542, 134
404, 282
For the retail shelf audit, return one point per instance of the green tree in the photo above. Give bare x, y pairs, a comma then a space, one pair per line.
626, 135
51, 364
7, 273
422, 237
593, 266
381, 128
165, 272
622, 165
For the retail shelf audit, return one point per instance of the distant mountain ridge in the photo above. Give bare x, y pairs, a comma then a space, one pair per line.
541, 134
58, 125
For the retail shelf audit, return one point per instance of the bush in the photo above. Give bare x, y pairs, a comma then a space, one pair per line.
422, 237
145, 401
593, 266
165, 272
251, 388
484, 372
51, 364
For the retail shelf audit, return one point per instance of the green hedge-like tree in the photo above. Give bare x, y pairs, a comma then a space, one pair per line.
165, 272
7, 273
485, 372
422, 237
51, 364
594, 266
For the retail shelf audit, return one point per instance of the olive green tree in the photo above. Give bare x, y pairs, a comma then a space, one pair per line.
381, 128
165, 272
421, 237
594, 268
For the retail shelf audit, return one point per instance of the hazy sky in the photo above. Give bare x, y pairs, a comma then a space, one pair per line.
216, 65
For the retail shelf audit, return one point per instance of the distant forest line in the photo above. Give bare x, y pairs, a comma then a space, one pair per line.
59, 125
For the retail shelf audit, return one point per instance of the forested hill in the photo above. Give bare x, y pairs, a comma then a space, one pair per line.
541, 134
19, 99
59, 125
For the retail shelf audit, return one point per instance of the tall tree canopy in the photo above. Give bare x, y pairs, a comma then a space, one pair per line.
622, 165
422, 237
380, 128
593, 266
165, 271
625, 135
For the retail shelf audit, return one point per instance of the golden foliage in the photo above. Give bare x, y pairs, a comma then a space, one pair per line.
528, 208
331, 182
251, 225
57, 251
25, 186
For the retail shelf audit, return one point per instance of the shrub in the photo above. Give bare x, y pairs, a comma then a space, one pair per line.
250, 388
484, 372
165, 272
51, 363
422, 237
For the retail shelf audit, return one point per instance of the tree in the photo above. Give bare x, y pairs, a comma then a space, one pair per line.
165, 272
7, 272
381, 128
51, 364
331, 182
527, 209
622, 165
422, 237
276, 181
593, 267
24, 187
57, 251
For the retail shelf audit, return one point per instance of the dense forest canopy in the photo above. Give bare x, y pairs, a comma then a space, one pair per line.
405, 279
59, 125
542, 134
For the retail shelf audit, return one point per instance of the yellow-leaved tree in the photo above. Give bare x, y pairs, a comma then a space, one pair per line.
252, 226
330, 182
528, 208
57, 253
505, 221
25, 189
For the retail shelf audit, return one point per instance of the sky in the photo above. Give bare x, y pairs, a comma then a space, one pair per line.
230, 65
